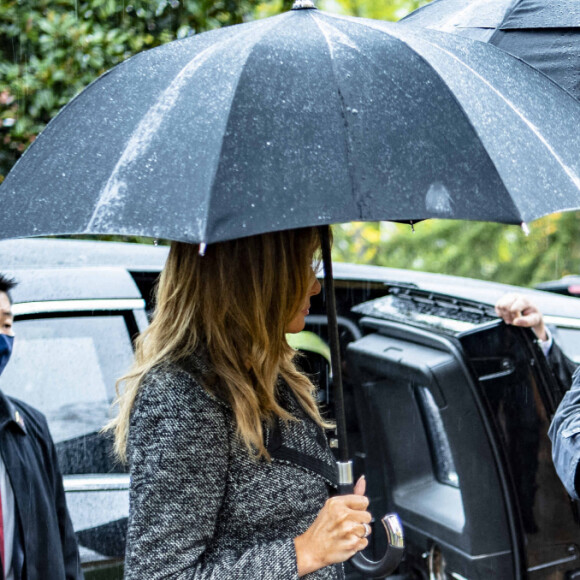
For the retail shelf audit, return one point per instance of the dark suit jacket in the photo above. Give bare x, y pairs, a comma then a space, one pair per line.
45, 547
562, 367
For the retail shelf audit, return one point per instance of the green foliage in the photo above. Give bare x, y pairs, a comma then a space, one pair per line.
51, 49
378, 9
272, 7
474, 249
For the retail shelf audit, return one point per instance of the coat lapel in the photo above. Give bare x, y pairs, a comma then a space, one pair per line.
302, 442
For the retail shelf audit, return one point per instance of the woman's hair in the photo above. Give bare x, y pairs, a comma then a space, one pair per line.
234, 303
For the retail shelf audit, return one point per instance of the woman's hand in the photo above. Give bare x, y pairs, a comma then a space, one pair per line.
337, 533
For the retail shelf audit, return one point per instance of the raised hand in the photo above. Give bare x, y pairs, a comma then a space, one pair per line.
519, 310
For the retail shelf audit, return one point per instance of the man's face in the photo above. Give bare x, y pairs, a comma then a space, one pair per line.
6, 317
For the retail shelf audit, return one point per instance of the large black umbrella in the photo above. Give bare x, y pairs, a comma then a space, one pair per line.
301, 119
304, 119
543, 33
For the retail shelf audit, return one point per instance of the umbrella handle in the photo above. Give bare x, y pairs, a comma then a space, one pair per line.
392, 556
393, 528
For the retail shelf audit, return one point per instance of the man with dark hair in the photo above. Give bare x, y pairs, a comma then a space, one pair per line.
37, 540
519, 310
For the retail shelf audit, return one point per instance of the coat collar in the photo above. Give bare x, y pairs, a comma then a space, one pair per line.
9, 415
198, 365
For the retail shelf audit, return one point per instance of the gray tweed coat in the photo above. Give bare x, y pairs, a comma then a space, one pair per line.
200, 507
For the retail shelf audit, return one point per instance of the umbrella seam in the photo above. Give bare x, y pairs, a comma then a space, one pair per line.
454, 97
281, 21
345, 121
574, 178
506, 15
110, 193
517, 57
137, 142
451, 93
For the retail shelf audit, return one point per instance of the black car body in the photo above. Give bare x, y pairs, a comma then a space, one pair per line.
447, 408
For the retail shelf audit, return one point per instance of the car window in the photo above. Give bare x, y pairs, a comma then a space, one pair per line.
67, 367
569, 340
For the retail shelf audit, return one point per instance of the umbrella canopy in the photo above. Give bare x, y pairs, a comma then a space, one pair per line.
297, 120
543, 33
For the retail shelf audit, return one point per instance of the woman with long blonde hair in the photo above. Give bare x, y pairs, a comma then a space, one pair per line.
230, 470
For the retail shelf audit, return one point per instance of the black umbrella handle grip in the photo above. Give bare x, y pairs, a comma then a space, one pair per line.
393, 527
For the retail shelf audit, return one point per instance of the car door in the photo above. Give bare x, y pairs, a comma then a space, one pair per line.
454, 408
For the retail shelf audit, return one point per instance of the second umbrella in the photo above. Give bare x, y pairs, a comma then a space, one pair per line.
543, 33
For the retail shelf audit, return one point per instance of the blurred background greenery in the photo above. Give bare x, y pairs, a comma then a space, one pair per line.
52, 49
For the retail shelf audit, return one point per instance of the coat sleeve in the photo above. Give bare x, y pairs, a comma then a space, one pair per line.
565, 435
70, 550
178, 452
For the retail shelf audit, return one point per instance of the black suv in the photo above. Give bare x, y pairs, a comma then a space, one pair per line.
448, 418
447, 407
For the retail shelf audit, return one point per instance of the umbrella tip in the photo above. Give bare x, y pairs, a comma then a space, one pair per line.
303, 4
525, 228
202, 247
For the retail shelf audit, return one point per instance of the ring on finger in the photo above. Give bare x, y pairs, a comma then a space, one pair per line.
367, 531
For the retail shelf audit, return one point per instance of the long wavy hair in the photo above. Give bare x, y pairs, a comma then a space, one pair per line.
235, 303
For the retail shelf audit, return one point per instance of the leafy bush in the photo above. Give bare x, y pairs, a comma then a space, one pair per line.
475, 249
50, 50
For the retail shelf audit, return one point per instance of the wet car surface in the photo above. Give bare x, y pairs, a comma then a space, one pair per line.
567, 285
448, 408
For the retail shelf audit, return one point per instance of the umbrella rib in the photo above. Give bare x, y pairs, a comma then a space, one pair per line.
574, 178
141, 137
506, 15
470, 8
344, 117
452, 95
279, 22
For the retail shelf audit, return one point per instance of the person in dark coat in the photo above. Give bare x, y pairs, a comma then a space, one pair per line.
231, 472
565, 435
564, 432
38, 538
